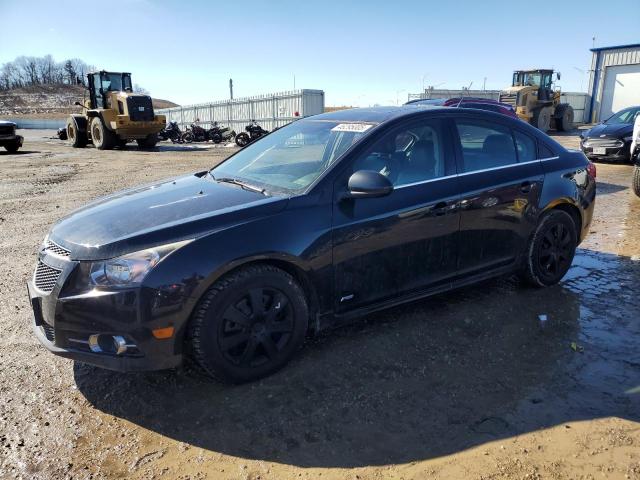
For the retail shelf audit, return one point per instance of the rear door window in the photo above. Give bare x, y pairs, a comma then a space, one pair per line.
485, 145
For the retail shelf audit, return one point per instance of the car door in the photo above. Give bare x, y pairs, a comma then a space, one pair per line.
500, 181
403, 242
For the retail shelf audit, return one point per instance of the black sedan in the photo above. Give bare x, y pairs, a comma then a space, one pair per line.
611, 139
326, 219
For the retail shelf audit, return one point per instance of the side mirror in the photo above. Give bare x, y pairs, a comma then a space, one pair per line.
78, 104
558, 75
368, 184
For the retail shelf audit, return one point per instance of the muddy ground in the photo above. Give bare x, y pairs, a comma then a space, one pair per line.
471, 384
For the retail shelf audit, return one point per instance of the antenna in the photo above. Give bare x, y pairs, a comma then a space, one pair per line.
462, 96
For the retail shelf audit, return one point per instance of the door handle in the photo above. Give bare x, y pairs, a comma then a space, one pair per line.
440, 208
525, 187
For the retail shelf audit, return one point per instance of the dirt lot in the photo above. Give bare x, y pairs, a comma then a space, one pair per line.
470, 384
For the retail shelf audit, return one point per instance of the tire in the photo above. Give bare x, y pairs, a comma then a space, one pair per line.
216, 138
101, 136
12, 147
148, 142
242, 139
636, 180
248, 324
187, 137
564, 118
77, 138
542, 119
551, 249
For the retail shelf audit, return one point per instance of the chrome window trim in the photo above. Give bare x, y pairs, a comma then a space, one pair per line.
475, 171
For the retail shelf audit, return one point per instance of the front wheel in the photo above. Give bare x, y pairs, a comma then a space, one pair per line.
187, 137
242, 139
249, 324
12, 147
636, 180
551, 249
77, 137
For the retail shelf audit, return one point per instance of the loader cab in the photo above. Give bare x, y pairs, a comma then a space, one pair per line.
542, 79
101, 83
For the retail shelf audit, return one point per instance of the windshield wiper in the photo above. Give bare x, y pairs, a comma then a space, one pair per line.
240, 183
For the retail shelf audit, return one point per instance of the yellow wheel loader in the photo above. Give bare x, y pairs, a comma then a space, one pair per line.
536, 102
113, 115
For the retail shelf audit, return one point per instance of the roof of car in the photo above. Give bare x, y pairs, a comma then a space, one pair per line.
373, 114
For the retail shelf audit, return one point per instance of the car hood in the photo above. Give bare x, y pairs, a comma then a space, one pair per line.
616, 131
165, 212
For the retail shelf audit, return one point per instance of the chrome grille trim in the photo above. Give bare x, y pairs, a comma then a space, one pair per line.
45, 277
509, 99
603, 142
54, 248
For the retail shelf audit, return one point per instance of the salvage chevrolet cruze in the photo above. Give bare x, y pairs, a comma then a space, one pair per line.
326, 219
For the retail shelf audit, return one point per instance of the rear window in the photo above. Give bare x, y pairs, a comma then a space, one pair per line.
526, 147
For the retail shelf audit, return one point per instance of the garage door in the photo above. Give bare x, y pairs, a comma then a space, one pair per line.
621, 89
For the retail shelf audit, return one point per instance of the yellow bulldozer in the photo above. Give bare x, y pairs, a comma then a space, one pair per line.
536, 101
114, 115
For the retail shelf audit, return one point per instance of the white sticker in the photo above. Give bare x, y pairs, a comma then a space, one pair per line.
352, 127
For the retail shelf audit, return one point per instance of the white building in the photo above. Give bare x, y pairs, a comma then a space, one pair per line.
614, 83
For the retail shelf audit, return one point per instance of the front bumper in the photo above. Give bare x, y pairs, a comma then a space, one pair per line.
64, 324
612, 153
11, 139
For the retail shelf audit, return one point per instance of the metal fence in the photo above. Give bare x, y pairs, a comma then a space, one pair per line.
577, 100
270, 111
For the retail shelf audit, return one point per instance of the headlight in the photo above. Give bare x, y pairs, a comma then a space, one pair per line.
129, 270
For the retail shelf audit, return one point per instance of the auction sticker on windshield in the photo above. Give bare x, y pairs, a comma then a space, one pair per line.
352, 127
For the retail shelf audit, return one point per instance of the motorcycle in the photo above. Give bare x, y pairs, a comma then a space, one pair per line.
171, 132
195, 133
253, 132
218, 133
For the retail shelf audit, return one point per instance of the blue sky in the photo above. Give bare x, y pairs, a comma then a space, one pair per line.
358, 52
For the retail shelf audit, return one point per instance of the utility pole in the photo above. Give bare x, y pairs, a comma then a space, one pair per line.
231, 88
294, 81
484, 84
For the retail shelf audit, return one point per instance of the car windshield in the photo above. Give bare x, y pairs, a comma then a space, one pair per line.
627, 116
292, 157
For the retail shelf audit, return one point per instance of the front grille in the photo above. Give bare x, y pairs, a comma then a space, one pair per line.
49, 332
604, 142
140, 108
45, 277
56, 249
509, 99
7, 130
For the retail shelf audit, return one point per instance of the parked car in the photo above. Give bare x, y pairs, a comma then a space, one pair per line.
469, 102
8, 137
328, 218
611, 139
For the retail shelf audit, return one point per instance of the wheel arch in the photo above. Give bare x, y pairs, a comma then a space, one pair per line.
572, 210
284, 263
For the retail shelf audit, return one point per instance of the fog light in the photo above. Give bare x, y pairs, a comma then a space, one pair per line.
100, 343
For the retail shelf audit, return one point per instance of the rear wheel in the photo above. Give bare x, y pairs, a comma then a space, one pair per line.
187, 137
242, 139
102, 137
542, 119
249, 324
636, 180
551, 249
216, 138
148, 142
76, 137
